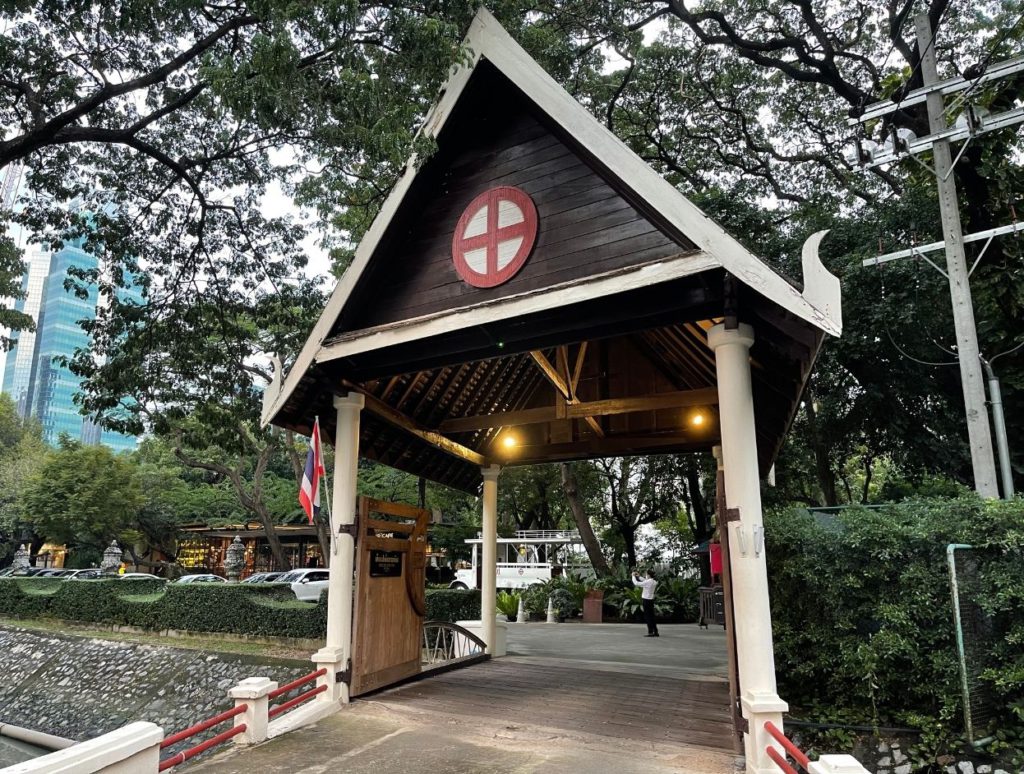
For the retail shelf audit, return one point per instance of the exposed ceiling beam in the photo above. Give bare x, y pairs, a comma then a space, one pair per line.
574, 383
598, 408
607, 447
562, 386
400, 420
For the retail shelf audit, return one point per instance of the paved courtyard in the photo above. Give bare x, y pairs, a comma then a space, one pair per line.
569, 697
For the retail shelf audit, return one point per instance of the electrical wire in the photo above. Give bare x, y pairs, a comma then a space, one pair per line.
982, 66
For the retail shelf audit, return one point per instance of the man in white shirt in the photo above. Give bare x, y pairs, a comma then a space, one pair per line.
648, 584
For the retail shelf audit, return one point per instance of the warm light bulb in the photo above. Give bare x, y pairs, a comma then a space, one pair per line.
697, 420
509, 441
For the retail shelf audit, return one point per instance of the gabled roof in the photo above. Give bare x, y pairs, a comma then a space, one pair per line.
335, 355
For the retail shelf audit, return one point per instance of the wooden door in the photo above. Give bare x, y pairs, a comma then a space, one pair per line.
390, 594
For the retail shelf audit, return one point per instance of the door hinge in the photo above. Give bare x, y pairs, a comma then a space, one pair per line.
345, 675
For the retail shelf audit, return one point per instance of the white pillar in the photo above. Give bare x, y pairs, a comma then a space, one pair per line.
489, 566
254, 692
755, 657
337, 650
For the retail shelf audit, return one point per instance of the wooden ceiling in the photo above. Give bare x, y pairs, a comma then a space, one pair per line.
637, 392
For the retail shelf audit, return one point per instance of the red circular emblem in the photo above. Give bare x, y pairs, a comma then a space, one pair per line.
494, 236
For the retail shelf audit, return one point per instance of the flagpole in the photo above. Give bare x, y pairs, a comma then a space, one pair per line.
327, 491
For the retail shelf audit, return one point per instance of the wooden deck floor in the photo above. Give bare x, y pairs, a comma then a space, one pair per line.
577, 697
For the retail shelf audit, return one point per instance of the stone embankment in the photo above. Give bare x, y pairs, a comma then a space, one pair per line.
79, 688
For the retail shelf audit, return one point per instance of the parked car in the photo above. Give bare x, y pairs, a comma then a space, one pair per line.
52, 572
138, 576
86, 573
306, 584
264, 577
7, 571
201, 578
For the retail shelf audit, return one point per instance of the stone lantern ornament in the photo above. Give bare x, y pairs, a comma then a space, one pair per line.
21, 557
234, 561
111, 558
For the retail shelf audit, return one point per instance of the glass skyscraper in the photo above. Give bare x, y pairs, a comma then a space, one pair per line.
18, 370
39, 385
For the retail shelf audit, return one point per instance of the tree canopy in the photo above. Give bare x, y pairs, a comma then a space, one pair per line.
171, 138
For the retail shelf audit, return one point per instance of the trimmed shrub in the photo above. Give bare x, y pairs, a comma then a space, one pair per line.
453, 605
266, 610
154, 604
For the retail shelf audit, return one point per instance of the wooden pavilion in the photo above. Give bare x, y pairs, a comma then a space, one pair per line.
533, 292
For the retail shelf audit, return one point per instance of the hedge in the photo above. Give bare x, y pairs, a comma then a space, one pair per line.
253, 609
453, 605
862, 612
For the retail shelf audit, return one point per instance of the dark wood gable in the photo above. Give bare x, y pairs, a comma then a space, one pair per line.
498, 137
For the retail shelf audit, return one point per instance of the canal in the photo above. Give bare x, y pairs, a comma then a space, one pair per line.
14, 751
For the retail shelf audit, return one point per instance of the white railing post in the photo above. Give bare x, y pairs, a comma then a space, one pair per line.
254, 693
837, 764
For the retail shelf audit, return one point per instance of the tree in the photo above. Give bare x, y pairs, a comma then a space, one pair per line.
22, 452
83, 496
571, 489
12, 269
640, 490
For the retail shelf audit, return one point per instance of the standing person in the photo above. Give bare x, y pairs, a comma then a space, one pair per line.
648, 584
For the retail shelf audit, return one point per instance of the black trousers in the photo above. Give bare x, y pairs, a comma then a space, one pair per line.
652, 628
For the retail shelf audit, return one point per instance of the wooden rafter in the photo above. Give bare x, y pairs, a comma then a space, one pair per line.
398, 419
606, 447
562, 386
574, 383
597, 408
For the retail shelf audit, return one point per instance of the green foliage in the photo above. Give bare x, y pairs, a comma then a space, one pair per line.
564, 603
681, 595
267, 610
507, 604
22, 453
264, 610
862, 613
453, 605
82, 495
11, 271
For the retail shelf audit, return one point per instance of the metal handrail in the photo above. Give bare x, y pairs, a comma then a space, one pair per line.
192, 752
296, 683
277, 709
445, 641
198, 728
795, 752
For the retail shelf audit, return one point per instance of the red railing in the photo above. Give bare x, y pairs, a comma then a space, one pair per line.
277, 709
198, 728
791, 749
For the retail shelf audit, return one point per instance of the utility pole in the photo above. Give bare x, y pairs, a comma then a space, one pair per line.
940, 136
968, 354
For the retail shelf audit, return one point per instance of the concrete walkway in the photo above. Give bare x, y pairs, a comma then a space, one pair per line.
571, 697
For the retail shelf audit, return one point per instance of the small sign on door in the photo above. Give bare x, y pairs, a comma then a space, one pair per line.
385, 564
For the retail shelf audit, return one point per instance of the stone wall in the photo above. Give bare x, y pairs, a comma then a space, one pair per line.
79, 688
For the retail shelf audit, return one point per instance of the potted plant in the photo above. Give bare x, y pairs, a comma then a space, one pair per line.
508, 605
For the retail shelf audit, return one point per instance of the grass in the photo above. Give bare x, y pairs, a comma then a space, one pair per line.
198, 642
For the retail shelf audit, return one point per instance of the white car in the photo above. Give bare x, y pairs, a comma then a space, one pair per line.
203, 578
306, 584
138, 576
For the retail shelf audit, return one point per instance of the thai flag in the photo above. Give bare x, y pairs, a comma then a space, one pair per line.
309, 491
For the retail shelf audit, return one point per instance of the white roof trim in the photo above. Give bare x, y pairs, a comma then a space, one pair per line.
487, 39
563, 294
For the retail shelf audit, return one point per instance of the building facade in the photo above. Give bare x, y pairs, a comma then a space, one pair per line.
39, 384
18, 370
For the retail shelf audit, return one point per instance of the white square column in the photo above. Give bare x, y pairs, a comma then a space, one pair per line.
753, 622
489, 565
336, 654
